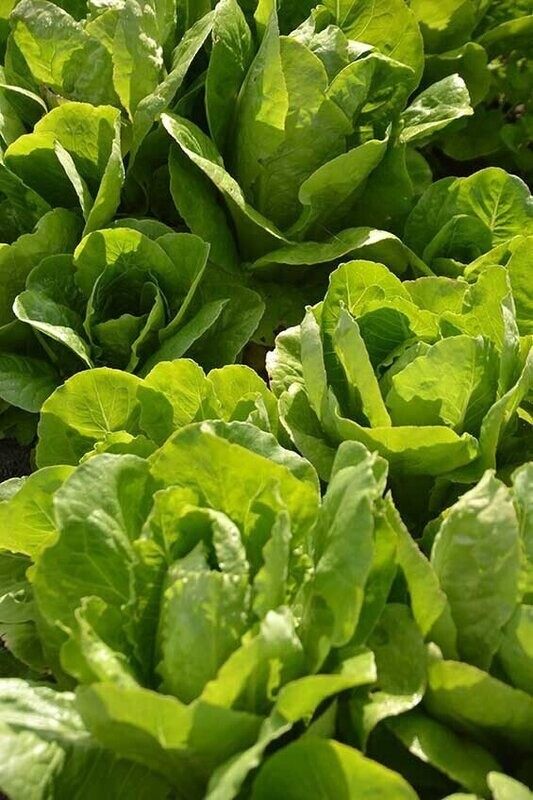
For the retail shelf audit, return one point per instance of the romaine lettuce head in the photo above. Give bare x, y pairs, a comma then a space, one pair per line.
210, 597
429, 373
301, 125
459, 220
125, 300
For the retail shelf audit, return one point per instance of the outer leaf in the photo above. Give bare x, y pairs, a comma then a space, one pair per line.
333, 187
401, 679
506, 788
335, 595
256, 233
389, 26
46, 759
27, 520
137, 56
338, 770
203, 617
178, 463
122, 498
56, 232
476, 556
297, 701
183, 743
350, 243
475, 703
82, 411
462, 760
516, 649
26, 382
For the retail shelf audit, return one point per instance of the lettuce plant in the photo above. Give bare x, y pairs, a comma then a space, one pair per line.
122, 299
429, 373
459, 220
320, 115
220, 527
489, 45
225, 610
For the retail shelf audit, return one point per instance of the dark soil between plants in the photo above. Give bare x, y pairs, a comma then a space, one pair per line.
14, 462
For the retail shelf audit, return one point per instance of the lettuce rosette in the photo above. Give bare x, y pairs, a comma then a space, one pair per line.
304, 133
207, 619
124, 300
462, 220
431, 373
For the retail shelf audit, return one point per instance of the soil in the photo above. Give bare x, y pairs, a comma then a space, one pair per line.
14, 462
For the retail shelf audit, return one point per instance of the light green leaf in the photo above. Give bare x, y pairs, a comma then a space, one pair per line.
83, 411
230, 60
500, 200
516, 649
435, 108
363, 388
88, 135
335, 770
261, 111
476, 556
95, 649
399, 651
429, 603
197, 201
390, 26
198, 459
414, 449
444, 25
179, 343
137, 56
28, 518
107, 198
256, 234
475, 703
235, 385
334, 597
183, 743
297, 701
46, 759
517, 266
53, 319
78, 184
153, 104
56, 232
328, 193
467, 367
523, 490
505, 788
60, 54
350, 243
203, 617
